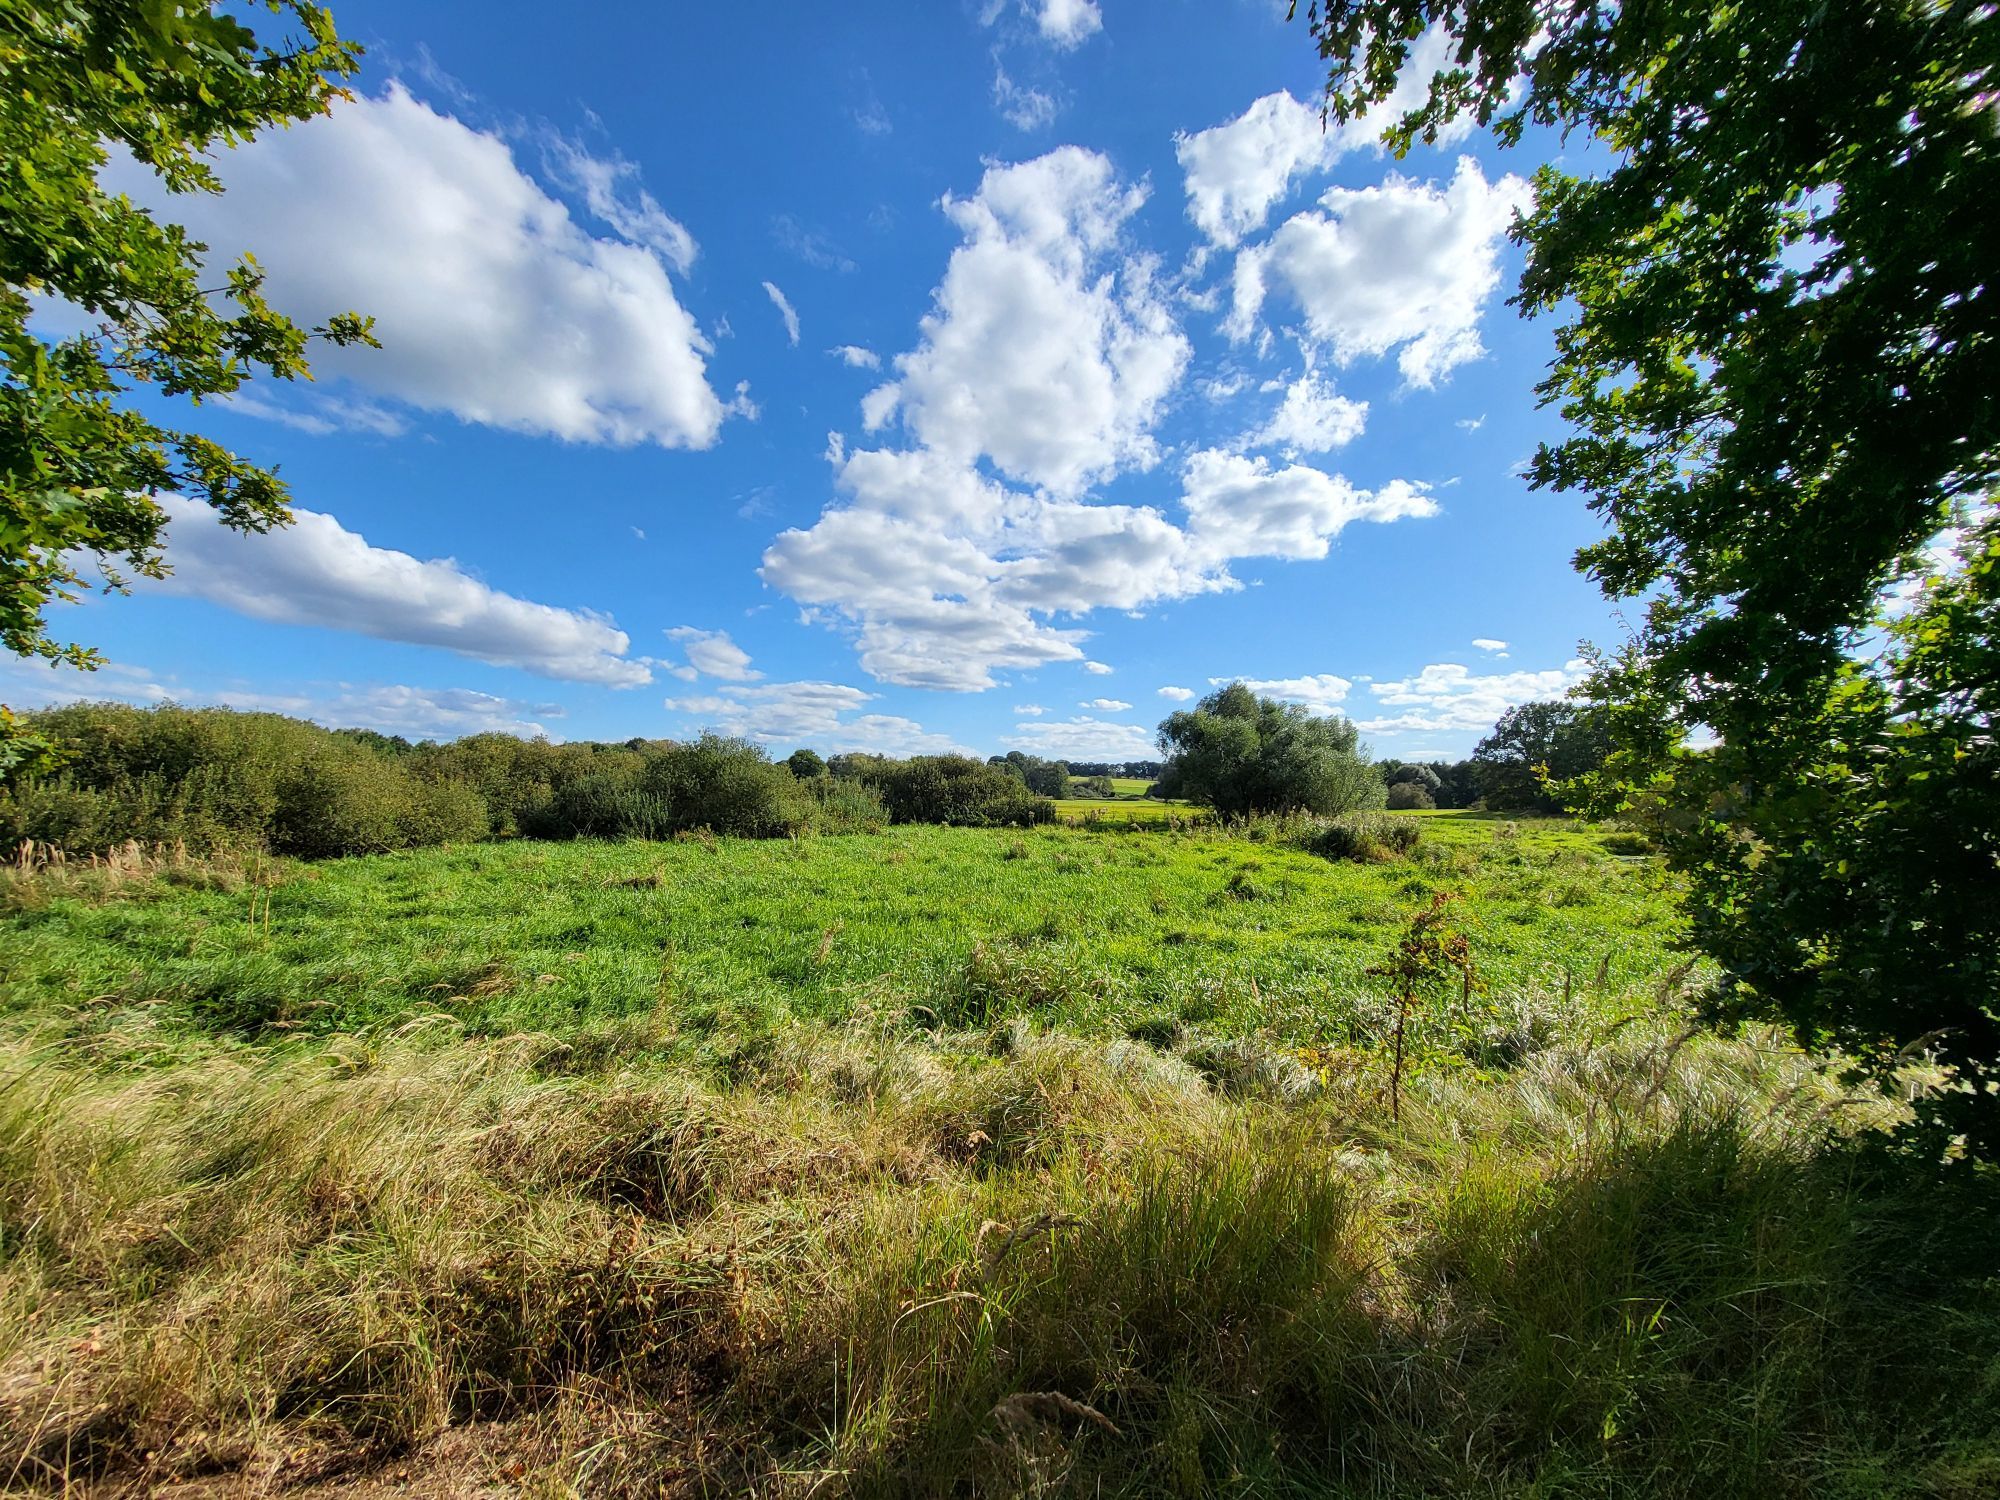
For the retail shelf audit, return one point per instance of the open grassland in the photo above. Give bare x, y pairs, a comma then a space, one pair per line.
1093, 933
946, 1162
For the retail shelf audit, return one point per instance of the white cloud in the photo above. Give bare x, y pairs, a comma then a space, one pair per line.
414, 712
1448, 696
316, 572
1487, 643
1029, 710
1048, 355
1470, 424
611, 191
1097, 669
1046, 349
1402, 266
1020, 106
823, 714
1312, 418
711, 653
322, 414
785, 311
1083, 739
857, 358
1068, 23
1105, 705
491, 303
1322, 693
813, 246
1242, 507
1177, 694
1236, 171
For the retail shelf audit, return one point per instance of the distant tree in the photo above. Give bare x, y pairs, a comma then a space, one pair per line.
1410, 796
1239, 753
1551, 738
1091, 786
806, 764
1045, 778
80, 464
391, 745
1458, 783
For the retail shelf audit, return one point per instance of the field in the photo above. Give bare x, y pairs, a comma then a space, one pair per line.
946, 1161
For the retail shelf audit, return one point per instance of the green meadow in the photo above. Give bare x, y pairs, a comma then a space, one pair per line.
1063, 1161
1091, 932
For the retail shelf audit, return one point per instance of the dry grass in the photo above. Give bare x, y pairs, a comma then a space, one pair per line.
1003, 1264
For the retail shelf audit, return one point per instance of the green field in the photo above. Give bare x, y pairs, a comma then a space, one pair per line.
1061, 1162
1105, 929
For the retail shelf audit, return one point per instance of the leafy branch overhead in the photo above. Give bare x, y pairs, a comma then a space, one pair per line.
1780, 367
82, 86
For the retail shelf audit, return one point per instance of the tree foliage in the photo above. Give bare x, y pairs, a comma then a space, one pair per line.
80, 464
1242, 754
1782, 377
1536, 744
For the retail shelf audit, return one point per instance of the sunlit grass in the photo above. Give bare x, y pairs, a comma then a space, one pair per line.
947, 1162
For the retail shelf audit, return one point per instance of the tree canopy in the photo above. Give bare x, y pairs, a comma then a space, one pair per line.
80, 465
1782, 378
1239, 754
1536, 744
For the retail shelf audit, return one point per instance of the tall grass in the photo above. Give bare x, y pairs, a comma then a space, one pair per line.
1055, 1267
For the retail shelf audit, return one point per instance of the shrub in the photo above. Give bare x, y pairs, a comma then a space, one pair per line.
957, 790
845, 806
1408, 796
601, 805
727, 786
1362, 838
337, 804
212, 779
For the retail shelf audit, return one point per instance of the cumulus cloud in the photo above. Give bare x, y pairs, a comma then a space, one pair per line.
1313, 418
1097, 669
1029, 710
1487, 643
1322, 693
1047, 356
1177, 694
1105, 705
1046, 349
785, 311
857, 358
1083, 738
1404, 267
1243, 507
825, 715
491, 302
1236, 171
711, 653
1450, 696
317, 572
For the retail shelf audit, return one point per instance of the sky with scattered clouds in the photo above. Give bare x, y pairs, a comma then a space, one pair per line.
989, 374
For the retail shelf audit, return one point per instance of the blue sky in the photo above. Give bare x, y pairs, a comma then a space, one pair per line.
989, 374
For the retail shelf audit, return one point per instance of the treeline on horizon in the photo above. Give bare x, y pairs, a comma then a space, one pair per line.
211, 779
